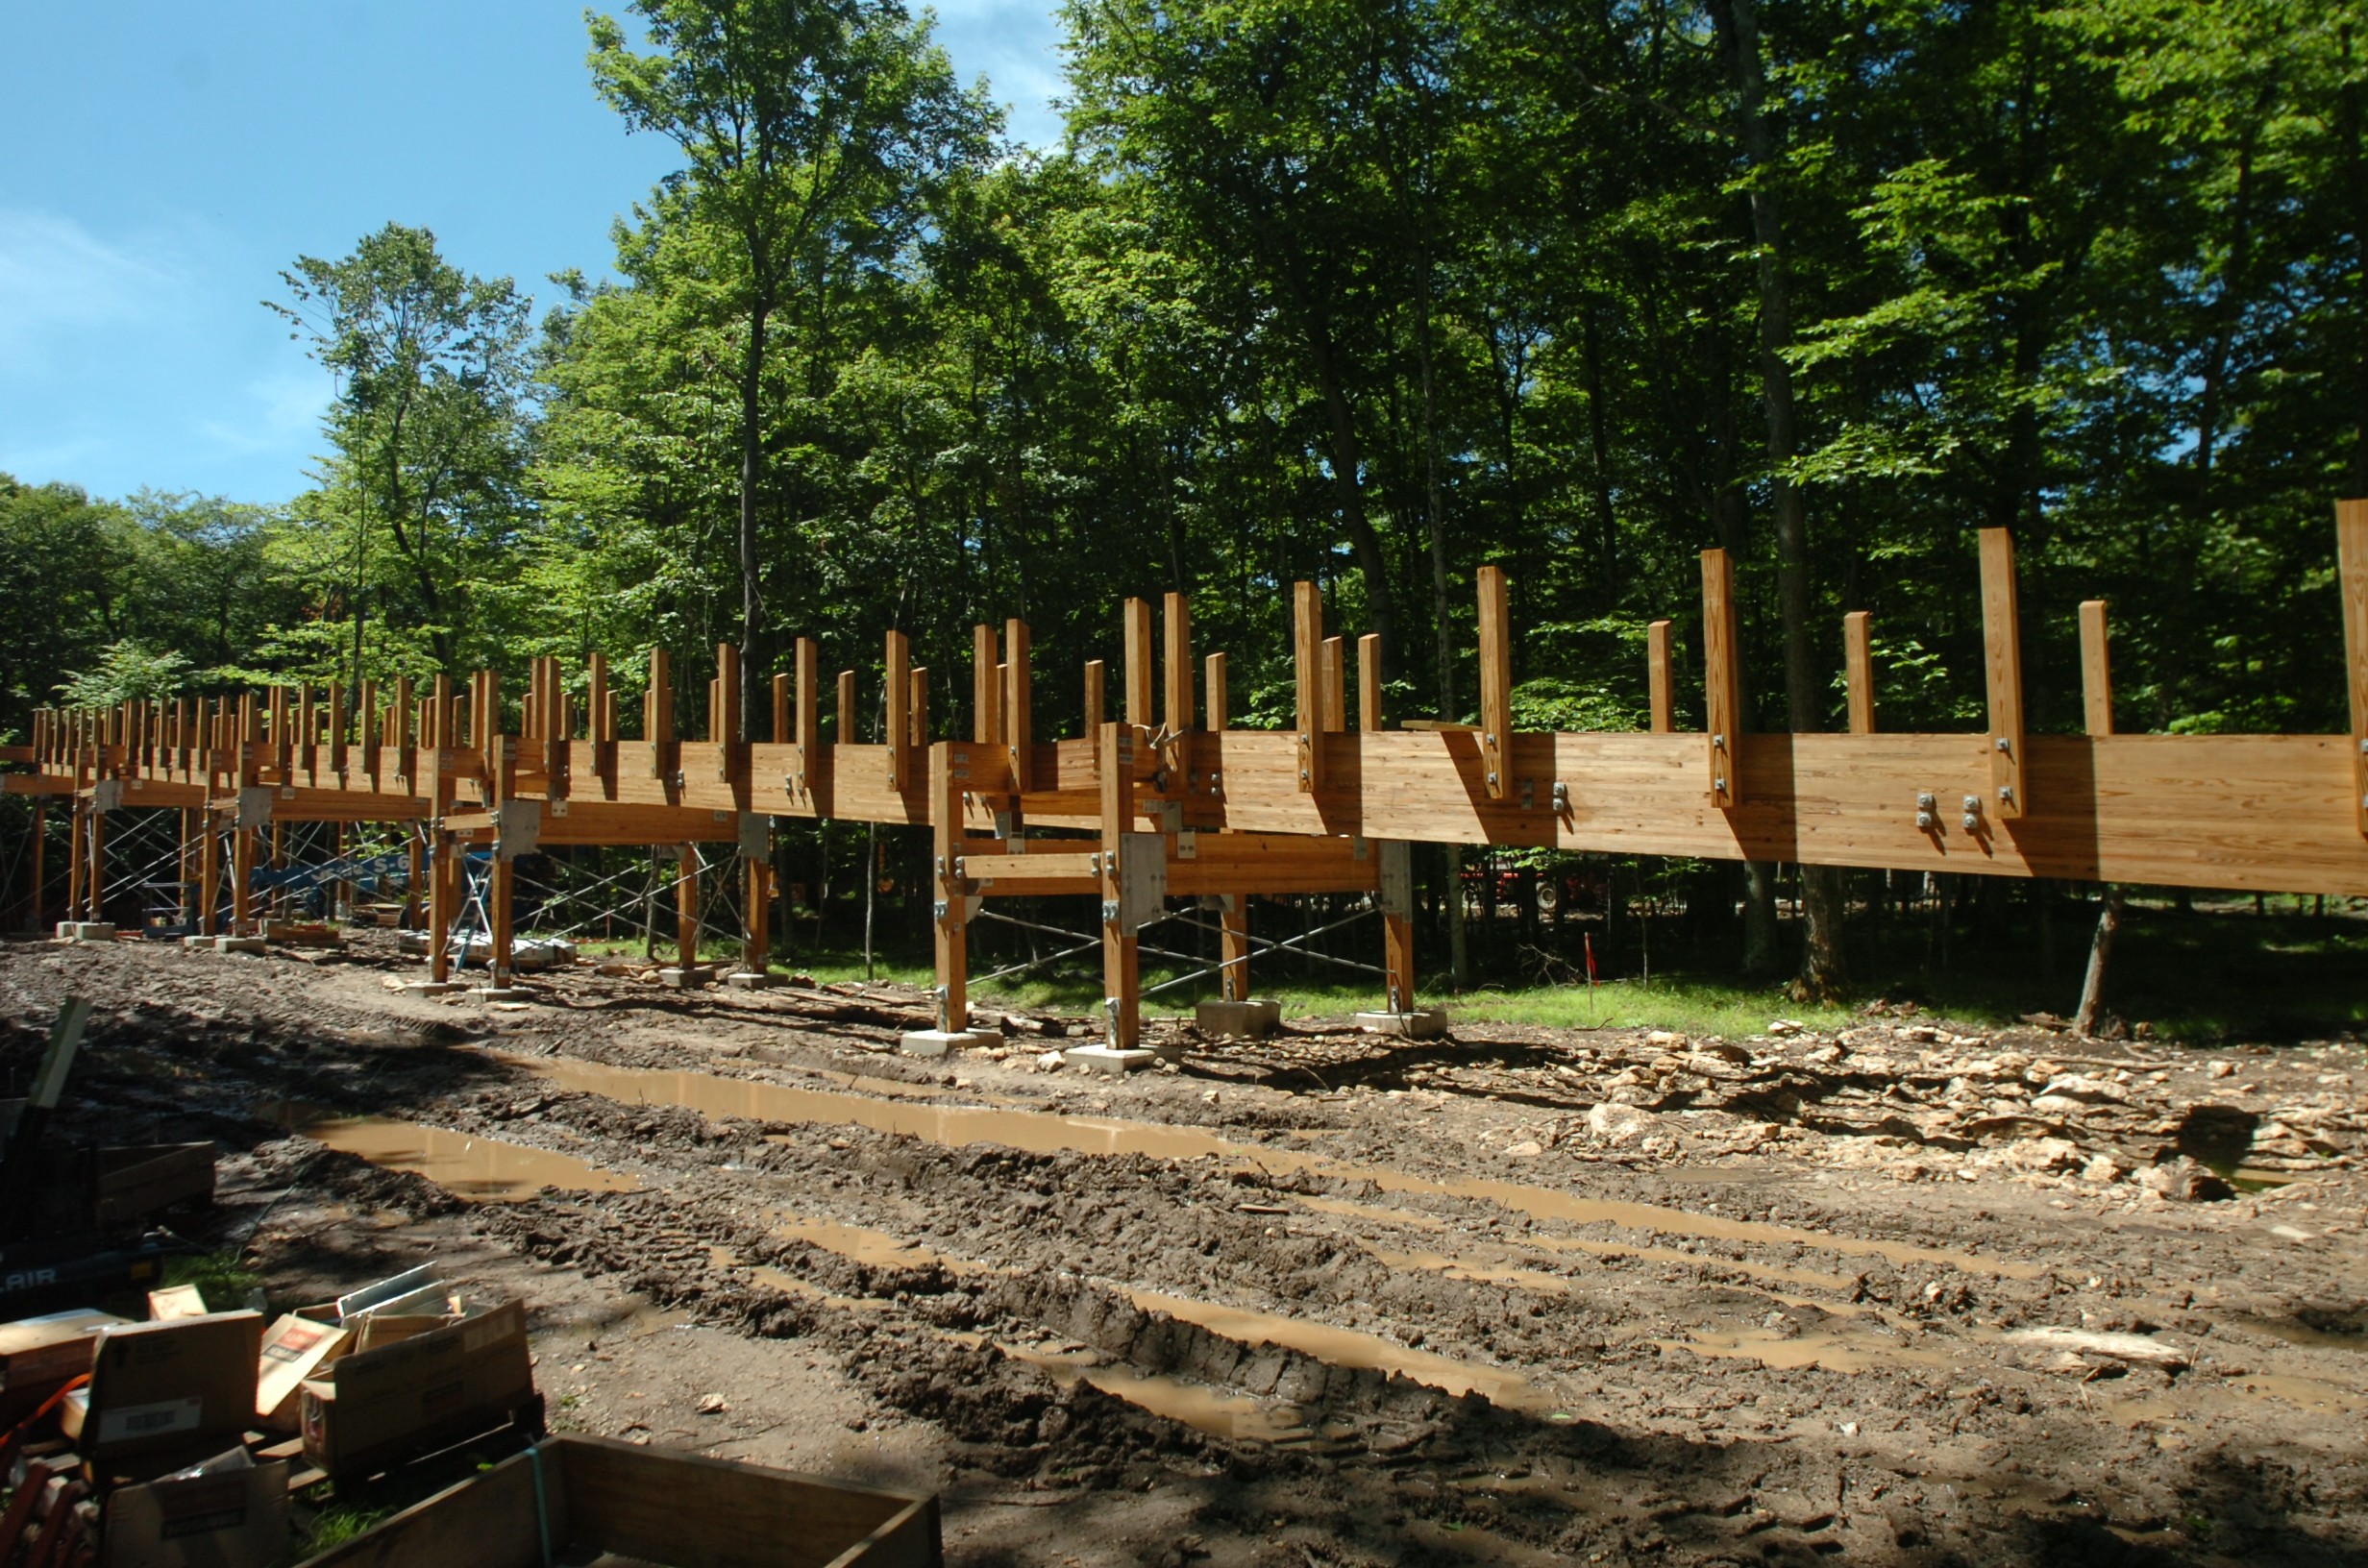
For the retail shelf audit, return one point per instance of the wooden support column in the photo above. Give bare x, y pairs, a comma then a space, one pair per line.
1660, 692
785, 725
1094, 671
897, 673
658, 720
1233, 946
1398, 961
1122, 976
444, 886
184, 875
686, 912
1138, 674
808, 772
1722, 681
986, 701
2002, 641
96, 877
2351, 567
1176, 716
948, 781
1368, 682
1213, 678
77, 865
208, 876
334, 715
917, 709
1307, 669
1495, 685
414, 871
2096, 670
850, 730
1859, 671
732, 752
1335, 686
1019, 736
756, 926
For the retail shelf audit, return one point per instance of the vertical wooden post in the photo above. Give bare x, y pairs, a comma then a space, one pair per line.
1094, 671
334, 717
1660, 692
1335, 687
917, 707
727, 730
2352, 567
809, 716
1121, 980
658, 716
209, 875
76, 864
986, 702
1213, 678
948, 784
414, 871
95, 880
1495, 684
1722, 681
1138, 671
849, 732
1233, 950
444, 883
2002, 641
896, 659
1018, 708
784, 732
1859, 671
1176, 716
756, 940
2096, 670
500, 904
1368, 682
686, 913
40, 860
1397, 959
185, 872
1307, 669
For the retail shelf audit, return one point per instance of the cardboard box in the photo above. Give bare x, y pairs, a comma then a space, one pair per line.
176, 1301
294, 1348
37, 1354
161, 1385
228, 1513
372, 1410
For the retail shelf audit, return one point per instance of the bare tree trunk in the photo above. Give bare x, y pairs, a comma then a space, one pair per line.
2100, 950
1822, 888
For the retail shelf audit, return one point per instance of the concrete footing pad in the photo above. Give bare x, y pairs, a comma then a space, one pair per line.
431, 988
751, 980
945, 1043
193, 943
1253, 1019
683, 979
1115, 1061
1428, 1023
500, 993
86, 931
237, 944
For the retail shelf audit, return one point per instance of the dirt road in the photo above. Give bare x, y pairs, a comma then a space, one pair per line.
1903, 1295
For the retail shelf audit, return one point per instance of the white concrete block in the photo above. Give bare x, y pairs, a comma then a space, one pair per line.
1253, 1019
1425, 1023
1115, 1061
931, 1042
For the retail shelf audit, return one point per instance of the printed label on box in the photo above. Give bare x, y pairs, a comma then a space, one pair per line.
138, 1421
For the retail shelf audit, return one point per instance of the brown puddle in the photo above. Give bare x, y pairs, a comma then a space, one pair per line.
480, 1169
1044, 1132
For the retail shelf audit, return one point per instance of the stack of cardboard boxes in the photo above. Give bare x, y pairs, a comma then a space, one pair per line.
161, 1430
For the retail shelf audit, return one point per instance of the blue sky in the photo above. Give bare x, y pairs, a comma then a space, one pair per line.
164, 162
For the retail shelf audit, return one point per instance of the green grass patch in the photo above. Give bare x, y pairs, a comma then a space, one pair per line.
219, 1277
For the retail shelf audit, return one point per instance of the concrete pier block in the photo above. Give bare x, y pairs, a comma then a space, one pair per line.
237, 944
86, 931
1115, 1061
751, 980
932, 1042
1425, 1023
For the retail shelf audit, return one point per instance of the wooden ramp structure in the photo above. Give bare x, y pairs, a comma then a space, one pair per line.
1163, 799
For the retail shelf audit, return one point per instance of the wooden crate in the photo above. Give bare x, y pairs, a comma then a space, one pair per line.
606, 1500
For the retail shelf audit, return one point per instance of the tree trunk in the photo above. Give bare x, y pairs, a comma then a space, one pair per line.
1759, 919
1822, 888
2100, 950
752, 460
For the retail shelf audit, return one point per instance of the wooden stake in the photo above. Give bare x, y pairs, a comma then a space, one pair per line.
1368, 682
2352, 565
1178, 717
1019, 708
1495, 684
1859, 671
2096, 669
1213, 678
2002, 641
1721, 677
1307, 664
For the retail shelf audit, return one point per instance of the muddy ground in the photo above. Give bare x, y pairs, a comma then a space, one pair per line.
1910, 1294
